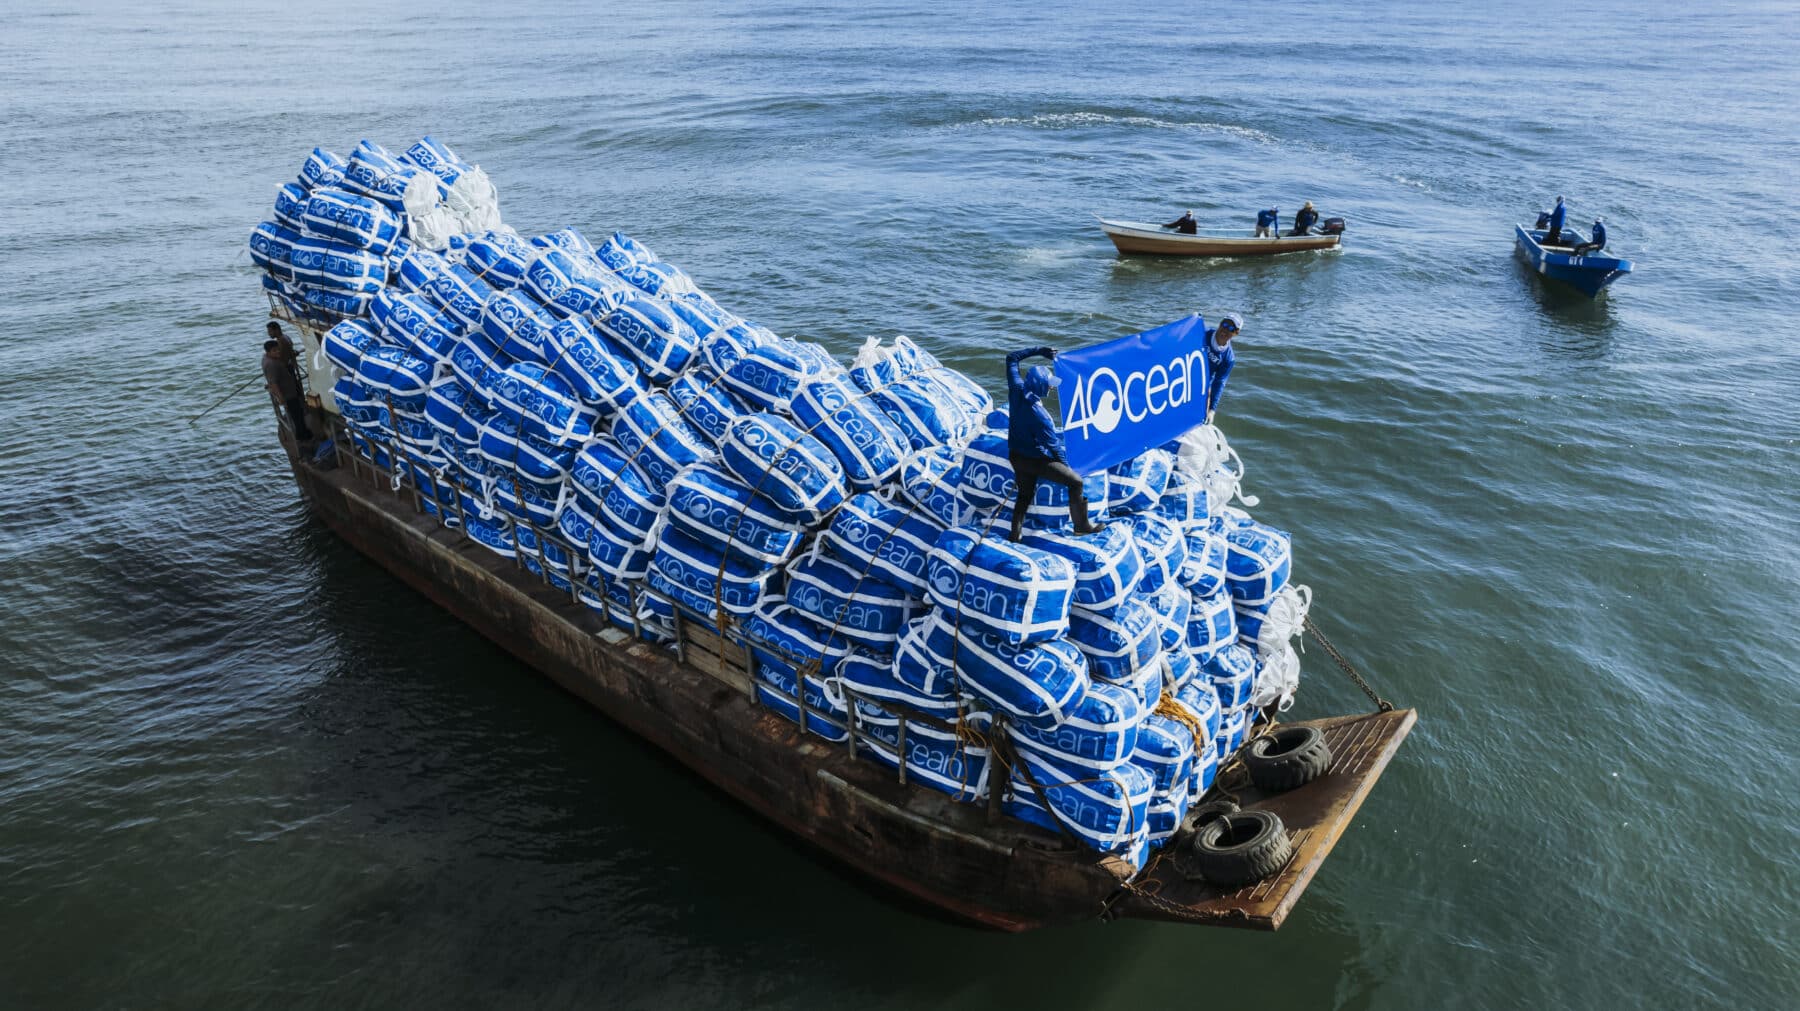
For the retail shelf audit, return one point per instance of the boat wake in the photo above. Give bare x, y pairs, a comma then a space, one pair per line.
1076, 120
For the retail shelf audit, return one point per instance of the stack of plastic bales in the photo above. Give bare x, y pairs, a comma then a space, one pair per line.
589, 412
342, 227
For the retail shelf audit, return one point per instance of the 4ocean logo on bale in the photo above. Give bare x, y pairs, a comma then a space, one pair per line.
1130, 394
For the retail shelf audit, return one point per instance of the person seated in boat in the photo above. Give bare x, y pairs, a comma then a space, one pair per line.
1305, 220
1220, 358
1595, 244
1185, 224
1553, 227
1267, 222
1034, 444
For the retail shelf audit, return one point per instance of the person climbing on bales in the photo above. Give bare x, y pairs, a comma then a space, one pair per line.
1035, 444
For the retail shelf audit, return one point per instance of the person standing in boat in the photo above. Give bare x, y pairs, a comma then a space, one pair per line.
1595, 244
1553, 227
281, 377
1305, 220
1220, 358
1034, 445
1185, 224
1267, 222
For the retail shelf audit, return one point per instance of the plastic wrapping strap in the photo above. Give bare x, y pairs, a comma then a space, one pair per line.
1237, 484
562, 499
488, 509
394, 479
956, 620
1014, 767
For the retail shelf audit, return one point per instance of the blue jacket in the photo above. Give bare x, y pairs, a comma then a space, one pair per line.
1599, 236
1556, 220
1031, 432
1267, 218
1218, 366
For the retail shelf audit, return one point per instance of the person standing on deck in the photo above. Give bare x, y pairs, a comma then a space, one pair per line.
286, 350
283, 382
1220, 358
1553, 230
1267, 222
1305, 220
1185, 224
1033, 443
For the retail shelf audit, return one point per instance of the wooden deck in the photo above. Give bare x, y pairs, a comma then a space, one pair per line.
696, 702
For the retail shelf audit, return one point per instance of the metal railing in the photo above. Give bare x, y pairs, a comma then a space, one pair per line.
348, 448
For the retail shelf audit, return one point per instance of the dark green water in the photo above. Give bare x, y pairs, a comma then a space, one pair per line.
239, 767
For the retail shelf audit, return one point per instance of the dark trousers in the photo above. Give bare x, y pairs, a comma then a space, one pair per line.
296, 412
1029, 470
1552, 236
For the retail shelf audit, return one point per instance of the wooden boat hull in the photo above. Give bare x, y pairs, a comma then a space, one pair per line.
1588, 274
698, 705
1129, 237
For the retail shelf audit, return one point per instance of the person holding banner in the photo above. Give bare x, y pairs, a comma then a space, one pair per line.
1033, 443
1220, 358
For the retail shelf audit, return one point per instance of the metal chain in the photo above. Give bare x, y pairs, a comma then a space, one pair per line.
1381, 705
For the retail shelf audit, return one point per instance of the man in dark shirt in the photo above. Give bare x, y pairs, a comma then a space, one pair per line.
1033, 443
283, 382
1305, 220
1185, 224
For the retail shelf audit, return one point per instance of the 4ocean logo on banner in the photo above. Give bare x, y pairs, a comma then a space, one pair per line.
1127, 395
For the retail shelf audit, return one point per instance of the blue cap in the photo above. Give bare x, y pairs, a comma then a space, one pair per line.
1040, 380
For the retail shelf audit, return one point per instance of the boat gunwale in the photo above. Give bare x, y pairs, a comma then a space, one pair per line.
1555, 256
1149, 230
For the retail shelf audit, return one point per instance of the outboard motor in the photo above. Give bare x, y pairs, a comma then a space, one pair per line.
1543, 220
1332, 226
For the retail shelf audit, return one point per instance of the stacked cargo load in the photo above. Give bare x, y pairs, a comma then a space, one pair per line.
591, 412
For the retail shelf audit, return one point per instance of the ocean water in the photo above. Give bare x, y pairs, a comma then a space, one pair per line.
240, 767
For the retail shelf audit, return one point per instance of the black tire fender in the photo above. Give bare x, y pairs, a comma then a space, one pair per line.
1287, 757
1203, 813
1237, 849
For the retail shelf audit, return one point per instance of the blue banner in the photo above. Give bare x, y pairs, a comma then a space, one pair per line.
1128, 395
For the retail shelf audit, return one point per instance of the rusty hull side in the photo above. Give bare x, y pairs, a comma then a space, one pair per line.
915, 840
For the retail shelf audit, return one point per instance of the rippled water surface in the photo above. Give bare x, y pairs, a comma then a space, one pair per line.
240, 767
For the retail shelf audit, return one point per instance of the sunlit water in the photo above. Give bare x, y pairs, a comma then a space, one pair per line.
241, 767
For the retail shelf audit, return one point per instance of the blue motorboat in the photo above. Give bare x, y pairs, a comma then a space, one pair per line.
1561, 263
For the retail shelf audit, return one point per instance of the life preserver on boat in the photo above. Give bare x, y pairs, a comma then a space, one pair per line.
1286, 758
1241, 847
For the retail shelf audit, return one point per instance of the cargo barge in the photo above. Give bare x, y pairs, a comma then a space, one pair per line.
698, 701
